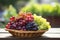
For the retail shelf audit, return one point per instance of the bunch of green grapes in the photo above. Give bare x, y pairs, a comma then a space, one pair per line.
42, 22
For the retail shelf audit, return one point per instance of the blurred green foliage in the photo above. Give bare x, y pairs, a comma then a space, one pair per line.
34, 8
11, 11
43, 9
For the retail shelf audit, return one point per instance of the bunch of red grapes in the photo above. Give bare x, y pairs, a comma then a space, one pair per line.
24, 22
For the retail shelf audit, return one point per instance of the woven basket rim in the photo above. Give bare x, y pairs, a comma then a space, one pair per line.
21, 31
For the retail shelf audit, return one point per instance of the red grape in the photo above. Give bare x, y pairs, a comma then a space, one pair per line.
12, 18
23, 21
24, 29
7, 26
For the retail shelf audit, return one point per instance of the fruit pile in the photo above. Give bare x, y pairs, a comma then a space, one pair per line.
28, 22
23, 22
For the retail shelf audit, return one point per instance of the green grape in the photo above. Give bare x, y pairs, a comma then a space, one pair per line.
44, 26
39, 20
42, 22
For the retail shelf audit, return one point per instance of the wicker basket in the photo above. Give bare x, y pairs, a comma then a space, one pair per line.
24, 34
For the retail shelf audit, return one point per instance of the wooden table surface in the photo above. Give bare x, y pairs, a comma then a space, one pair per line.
52, 33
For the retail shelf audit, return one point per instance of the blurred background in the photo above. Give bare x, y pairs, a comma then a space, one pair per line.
49, 9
